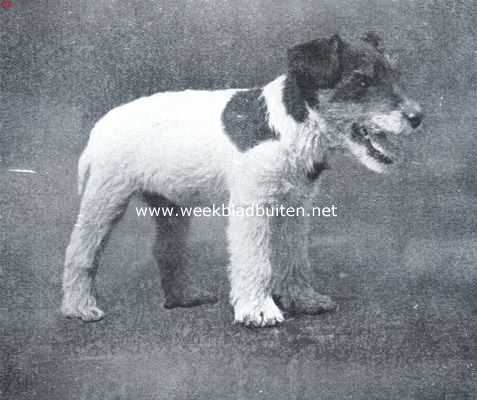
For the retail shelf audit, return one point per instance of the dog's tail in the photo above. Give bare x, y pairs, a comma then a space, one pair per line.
83, 170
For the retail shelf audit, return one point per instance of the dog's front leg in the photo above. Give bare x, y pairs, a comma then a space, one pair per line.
250, 271
292, 288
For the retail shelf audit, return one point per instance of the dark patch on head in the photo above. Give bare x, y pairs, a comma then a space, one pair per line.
367, 74
311, 66
318, 168
245, 119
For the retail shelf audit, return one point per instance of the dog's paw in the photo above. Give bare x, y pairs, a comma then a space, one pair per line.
304, 300
190, 301
258, 314
189, 297
85, 310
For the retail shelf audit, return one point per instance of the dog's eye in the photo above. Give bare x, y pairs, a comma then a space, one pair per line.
364, 84
363, 81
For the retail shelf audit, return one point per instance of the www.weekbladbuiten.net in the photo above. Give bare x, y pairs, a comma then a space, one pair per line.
223, 210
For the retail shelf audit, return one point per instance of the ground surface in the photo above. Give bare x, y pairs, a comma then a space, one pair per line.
400, 259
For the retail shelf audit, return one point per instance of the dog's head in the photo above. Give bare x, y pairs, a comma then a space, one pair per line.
354, 87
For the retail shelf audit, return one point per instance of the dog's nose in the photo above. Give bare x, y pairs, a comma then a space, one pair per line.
413, 112
415, 118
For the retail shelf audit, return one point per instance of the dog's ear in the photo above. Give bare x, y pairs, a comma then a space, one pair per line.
316, 65
374, 40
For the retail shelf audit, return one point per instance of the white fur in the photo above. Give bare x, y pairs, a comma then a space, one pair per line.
280, 121
174, 144
361, 153
393, 123
171, 143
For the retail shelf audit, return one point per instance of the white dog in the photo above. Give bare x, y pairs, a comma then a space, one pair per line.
265, 146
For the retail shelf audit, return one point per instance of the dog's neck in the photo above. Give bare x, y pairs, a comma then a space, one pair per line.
279, 120
304, 140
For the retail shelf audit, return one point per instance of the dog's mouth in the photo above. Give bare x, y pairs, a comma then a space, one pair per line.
377, 144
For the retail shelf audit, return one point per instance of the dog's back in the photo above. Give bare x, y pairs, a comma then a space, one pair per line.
163, 130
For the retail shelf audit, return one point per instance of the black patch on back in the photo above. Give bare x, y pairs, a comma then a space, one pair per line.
245, 119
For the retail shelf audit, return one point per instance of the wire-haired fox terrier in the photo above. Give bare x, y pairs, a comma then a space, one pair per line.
264, 146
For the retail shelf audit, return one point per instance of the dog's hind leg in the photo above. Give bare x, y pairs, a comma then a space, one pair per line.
173, 257
104, 200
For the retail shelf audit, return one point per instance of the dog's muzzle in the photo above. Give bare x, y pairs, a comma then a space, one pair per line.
379, 145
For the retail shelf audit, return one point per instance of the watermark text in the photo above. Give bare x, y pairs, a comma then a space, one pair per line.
254, 210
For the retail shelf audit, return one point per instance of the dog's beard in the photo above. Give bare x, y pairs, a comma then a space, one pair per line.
378, 144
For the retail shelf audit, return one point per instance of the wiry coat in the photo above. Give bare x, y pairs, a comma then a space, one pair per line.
265, 146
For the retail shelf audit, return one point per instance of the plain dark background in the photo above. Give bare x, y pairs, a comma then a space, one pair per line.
400, 258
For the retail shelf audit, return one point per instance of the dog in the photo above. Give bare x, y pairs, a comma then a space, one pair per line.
261, 146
